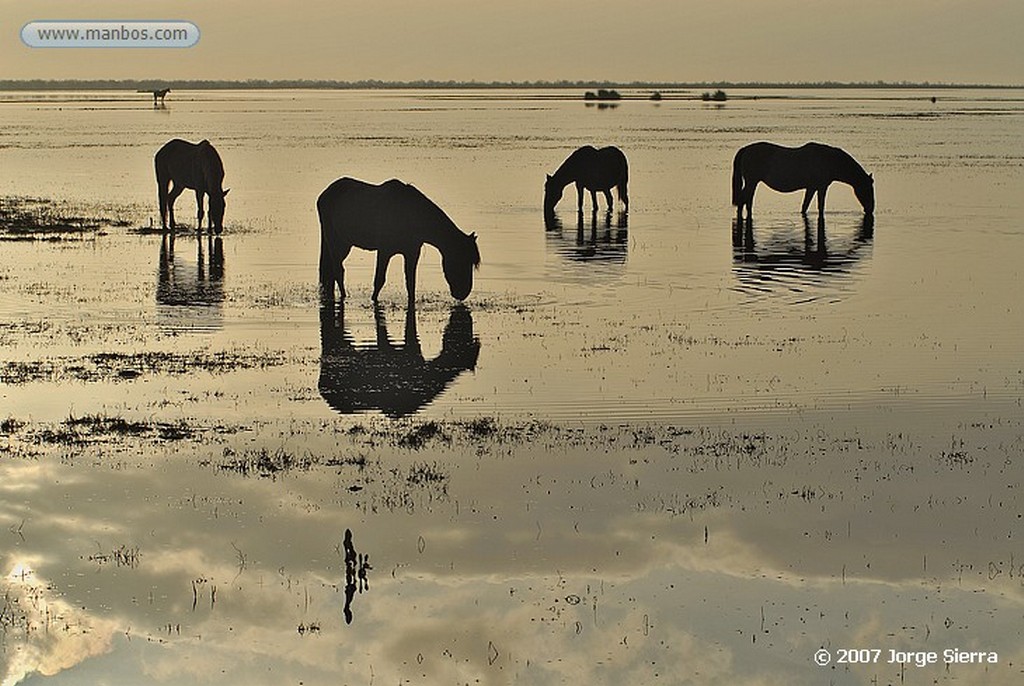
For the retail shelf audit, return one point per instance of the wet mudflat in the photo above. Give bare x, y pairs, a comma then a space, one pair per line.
647, 447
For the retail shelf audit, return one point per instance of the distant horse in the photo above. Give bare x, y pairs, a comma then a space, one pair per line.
190, 165
811, 167
391, 218
591, 169
158, 94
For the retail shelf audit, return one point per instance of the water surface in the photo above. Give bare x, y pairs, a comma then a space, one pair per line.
648, 447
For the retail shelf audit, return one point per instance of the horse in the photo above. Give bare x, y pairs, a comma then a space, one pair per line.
591, 169
190, 165
812, 167
390, 218
158, 94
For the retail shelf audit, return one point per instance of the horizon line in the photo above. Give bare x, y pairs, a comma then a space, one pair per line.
424, 84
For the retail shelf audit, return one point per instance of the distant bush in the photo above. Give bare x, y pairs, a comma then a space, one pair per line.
717, 96
602, 94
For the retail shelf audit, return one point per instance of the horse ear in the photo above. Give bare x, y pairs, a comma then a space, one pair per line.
549, 176
473, 235
226, 191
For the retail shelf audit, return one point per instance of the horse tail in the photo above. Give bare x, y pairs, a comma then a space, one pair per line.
737, 178
623, 192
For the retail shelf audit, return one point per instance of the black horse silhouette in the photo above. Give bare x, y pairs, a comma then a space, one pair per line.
812, 167
180, 165
391, 218
191, 298
392, 378
591, 169
158, 94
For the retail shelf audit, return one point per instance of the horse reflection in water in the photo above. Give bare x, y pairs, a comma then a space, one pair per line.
391, 377
794, 263
190, 298
604, 241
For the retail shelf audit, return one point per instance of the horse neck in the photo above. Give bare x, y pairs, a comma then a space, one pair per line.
849, 171
442, 233
566, 172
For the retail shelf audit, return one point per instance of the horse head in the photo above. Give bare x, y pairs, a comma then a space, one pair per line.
865, 192
217, 209
552, 194
458, 265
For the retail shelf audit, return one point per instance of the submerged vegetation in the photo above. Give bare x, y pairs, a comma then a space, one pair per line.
23, 218
128, 366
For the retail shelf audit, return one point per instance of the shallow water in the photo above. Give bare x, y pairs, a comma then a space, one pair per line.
647, 446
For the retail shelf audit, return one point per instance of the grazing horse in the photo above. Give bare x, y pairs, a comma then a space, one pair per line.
591, 169
159, 94
391, 218
190, 165
811, 167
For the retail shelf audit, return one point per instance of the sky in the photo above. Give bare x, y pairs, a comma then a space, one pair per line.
941, 41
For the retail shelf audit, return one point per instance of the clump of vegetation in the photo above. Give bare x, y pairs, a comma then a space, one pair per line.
9, 426
484, 427
23, 218
265, 463
423, 434
99, 427
602, 94
656, 95
718, 96
422, 474
129, 366
124, 556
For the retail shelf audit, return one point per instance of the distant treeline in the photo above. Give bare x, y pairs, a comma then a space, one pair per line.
152, 84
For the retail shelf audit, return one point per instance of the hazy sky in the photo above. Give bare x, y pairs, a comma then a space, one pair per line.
617, 40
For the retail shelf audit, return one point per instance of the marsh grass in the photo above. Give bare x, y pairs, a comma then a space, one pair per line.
26, 218
128, 366
91, 428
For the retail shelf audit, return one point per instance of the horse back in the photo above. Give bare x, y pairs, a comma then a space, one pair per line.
376, 216
783, 168
192, 165
599, 169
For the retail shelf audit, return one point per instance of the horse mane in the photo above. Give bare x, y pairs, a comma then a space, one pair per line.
856, 171
442, 218
211, 158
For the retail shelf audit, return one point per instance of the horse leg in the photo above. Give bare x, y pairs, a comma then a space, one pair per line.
161, 192
608, 199
579, 197
332, 268
748, 200
808, 194
199, 214
381, 273
593, 201
411, 260
623, 196
171, 197
821, 204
